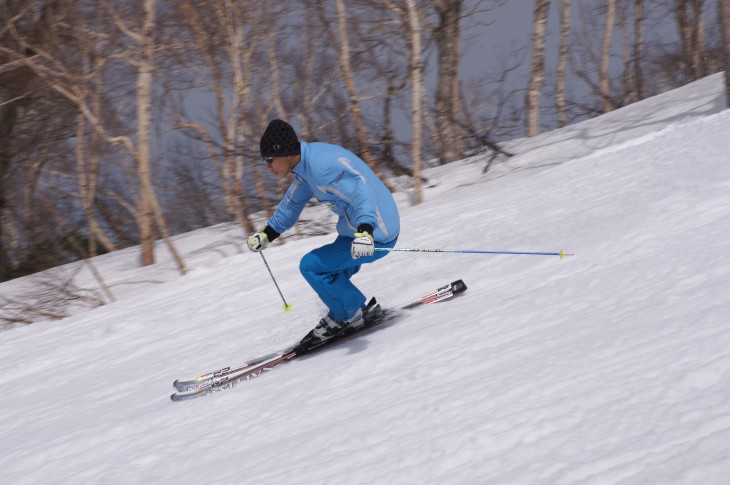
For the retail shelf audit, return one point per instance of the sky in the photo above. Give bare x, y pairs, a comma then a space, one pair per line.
609, 366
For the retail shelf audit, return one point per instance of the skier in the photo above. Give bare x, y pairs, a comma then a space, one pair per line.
368, 216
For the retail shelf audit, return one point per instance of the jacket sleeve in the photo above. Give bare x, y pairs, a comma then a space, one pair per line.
291, 206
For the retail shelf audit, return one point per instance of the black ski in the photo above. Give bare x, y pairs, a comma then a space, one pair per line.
228, 377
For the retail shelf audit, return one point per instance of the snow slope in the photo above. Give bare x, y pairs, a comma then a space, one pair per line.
612, 366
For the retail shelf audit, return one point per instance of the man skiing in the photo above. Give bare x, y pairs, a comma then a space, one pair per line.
368, 216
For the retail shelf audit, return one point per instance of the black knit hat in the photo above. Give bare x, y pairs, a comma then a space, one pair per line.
279, 140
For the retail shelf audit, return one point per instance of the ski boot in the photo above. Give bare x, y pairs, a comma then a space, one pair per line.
329, 328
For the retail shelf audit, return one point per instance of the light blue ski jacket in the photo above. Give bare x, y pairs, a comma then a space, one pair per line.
339, 178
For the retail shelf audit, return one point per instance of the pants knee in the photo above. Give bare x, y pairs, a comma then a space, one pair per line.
306, 265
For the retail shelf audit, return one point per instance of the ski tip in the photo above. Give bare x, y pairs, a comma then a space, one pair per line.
185, 396
184, 386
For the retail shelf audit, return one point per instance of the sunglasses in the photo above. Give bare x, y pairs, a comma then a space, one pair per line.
268, 160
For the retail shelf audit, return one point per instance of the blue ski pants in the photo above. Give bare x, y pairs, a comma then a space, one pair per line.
328, 271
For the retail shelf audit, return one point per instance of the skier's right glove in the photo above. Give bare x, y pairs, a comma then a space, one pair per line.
261, 238
258, 241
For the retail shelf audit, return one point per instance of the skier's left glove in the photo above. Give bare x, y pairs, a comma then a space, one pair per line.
363, 244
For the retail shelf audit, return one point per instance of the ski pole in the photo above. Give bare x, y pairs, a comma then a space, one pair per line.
560, 253
287, 306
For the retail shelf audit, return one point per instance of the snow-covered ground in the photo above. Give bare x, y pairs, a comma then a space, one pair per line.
611, 366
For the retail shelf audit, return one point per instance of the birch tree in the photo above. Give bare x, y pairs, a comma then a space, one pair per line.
61, 74
723, 10
416, 68
688, 14
447, 36
219, 44
638, 48
146, 202
349, 80
149, 212
563, 50
604, 79
537, 74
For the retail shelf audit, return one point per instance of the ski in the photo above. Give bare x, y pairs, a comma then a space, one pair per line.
228, 377
210, 377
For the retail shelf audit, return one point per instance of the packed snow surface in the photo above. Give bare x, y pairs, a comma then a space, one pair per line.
610, 366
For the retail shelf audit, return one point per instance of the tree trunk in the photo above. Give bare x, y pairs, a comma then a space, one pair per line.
149, 212
12, 80
275, 76
448, 97
638, 48
416, 65
145, 207
87, 166
239, 126
627, 89
537, 75
698, 41
275, 82
346, 67
87, 162
603, 74
562, 62
692, 33
723, 7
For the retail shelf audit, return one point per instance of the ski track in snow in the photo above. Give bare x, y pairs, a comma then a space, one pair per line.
611, 366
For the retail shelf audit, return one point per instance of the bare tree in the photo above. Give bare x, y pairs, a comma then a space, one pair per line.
383, 39
447, 36
562, 62
14, 78
62, 74
220, 44
240, 51
35, 126
638, 48
604, 79
537, 74
146, 202
610, 87
88, 145
149, 212
416, 67
409, 19
688, 14
346, 67
723, 7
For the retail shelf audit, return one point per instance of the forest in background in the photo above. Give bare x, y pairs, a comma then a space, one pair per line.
126, 122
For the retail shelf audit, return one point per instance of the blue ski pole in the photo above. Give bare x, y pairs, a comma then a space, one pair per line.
560, 253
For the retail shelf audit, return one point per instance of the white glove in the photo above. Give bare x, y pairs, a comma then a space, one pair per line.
362, 245
258, 241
